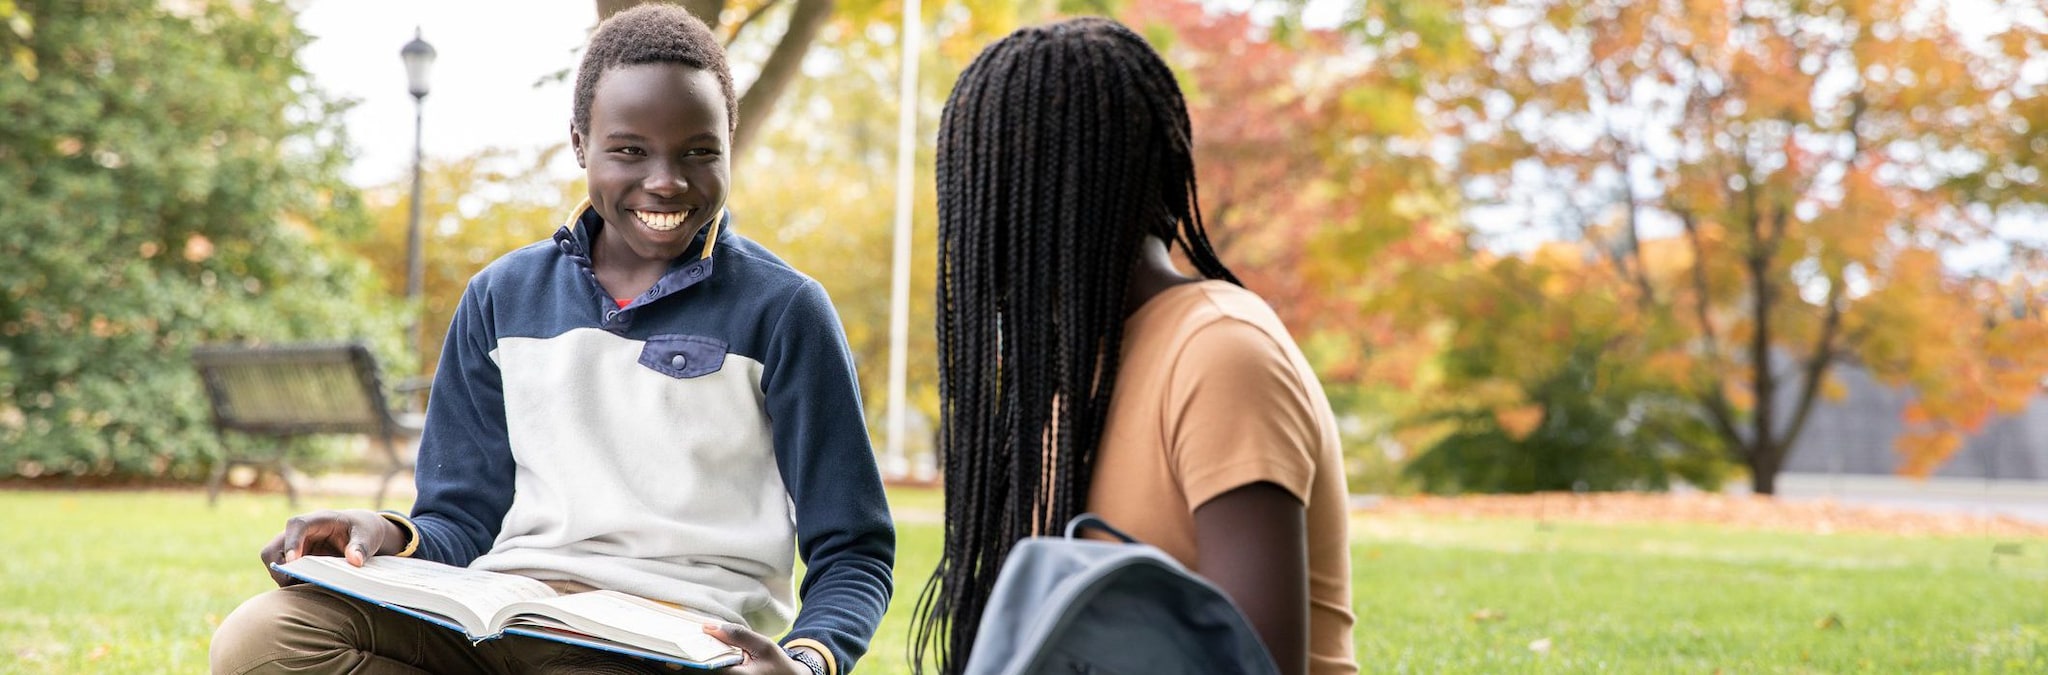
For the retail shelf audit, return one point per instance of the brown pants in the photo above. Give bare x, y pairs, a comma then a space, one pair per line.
307, 629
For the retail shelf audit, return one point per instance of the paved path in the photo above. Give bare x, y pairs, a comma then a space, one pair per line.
2025, 500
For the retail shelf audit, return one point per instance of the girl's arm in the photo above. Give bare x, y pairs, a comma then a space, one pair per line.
1253, 543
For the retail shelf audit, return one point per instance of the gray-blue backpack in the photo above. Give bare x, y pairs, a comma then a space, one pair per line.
1071, 605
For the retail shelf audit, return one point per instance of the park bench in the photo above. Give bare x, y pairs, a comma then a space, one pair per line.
295, 390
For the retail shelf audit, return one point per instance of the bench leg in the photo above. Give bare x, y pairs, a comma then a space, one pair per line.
291, 487
214, 479
390, 469
393, 466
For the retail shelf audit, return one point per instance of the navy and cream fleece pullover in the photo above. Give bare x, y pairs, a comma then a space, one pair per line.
684, 448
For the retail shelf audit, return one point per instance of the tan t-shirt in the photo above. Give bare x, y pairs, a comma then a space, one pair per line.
1213, 395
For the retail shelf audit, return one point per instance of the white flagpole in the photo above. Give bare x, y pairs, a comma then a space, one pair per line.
897, 464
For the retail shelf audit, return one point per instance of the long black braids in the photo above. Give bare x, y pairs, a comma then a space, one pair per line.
1061, 147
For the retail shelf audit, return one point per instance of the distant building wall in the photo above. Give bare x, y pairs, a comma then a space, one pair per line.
1856, 436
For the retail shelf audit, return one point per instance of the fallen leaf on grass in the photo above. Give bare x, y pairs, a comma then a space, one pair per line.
1486, 615
1540, 646
1832, 621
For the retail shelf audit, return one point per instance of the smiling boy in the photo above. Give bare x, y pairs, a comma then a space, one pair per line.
648, 402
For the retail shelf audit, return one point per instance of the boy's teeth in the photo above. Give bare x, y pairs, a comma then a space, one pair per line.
661, 221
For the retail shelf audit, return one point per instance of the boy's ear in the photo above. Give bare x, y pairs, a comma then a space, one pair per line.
576, 143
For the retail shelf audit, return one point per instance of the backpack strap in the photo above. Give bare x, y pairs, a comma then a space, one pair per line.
1090, 520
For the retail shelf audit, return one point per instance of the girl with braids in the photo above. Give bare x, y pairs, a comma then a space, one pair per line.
1081, 371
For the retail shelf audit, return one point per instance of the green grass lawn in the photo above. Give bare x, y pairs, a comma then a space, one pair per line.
128, 582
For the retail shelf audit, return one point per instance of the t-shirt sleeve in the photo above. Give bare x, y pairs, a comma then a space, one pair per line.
1238, 413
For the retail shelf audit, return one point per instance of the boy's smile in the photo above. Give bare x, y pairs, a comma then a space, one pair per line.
656, 159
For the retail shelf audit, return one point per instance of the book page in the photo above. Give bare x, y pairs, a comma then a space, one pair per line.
425, 585
626, 619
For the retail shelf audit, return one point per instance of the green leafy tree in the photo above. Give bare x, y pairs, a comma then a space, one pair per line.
169, 176
1537, 384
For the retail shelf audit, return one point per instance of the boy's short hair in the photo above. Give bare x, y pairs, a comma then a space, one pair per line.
651, 33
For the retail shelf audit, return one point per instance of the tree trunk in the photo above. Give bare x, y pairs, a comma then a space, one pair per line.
782, 67
1764, 413
1764, 463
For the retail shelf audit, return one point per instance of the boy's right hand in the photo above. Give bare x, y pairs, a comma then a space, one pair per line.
355, 534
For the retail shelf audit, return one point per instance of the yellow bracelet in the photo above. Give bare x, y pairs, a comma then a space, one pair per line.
412, 532
831, 664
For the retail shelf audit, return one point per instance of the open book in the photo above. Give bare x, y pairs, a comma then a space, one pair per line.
486, 605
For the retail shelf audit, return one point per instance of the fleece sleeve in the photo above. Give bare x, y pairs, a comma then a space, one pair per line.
844, 531
464, 471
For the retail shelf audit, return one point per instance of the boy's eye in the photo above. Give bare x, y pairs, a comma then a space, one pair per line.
702, 152
629, 150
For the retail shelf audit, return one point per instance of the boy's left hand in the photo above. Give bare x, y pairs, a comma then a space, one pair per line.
764, 657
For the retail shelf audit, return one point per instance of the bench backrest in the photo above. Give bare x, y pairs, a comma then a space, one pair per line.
290, 390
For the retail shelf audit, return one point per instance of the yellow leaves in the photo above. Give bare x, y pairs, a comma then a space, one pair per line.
1381, 110
1667, 259
2019, 342
1738, 394
1403, 365
1922, 451
1962, 375
24, 29
1770, 81
2015, 44
1519, 421
1832, 390
2017, 352
2012, 390
24, 61
1670, 366
1709, 20
1494, 393
1854, 228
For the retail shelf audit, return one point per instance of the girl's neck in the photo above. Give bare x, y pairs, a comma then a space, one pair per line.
1152, 274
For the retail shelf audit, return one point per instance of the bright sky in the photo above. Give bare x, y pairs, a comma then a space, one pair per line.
490, 53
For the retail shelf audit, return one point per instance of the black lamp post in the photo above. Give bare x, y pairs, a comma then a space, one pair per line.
419, 57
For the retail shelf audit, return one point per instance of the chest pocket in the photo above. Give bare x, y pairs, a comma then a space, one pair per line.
683, 356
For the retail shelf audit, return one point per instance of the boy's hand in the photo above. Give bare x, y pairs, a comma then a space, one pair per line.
763, 656
355, 534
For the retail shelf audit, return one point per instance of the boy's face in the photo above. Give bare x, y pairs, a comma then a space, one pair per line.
656, 155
